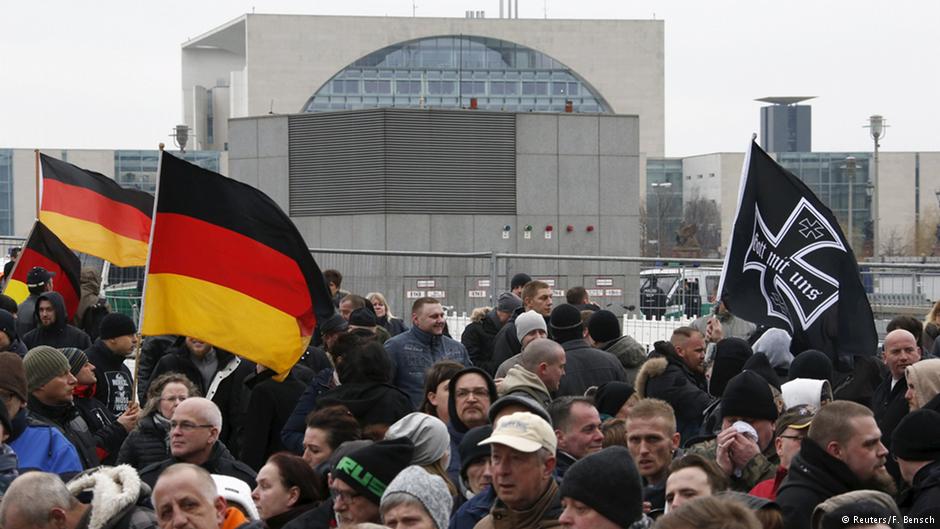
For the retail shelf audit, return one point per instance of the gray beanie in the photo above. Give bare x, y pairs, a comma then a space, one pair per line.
508, 302
528, 322
43, 363
428, 433
427, 488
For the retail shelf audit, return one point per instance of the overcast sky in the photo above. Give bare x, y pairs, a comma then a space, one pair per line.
106, 74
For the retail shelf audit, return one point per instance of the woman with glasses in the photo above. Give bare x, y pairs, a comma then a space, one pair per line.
149, 442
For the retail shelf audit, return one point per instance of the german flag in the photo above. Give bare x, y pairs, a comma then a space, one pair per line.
93, 214
44, 249
228, 267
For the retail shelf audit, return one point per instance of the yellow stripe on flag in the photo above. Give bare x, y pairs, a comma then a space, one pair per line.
17, 290
94, 239
226, 318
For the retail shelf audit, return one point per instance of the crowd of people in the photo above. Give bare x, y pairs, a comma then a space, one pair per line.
539, 415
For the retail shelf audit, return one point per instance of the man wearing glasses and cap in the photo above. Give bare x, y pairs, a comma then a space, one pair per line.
789, 432
38, 281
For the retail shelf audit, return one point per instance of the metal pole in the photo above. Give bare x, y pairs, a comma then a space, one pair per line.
494, 275
876, 249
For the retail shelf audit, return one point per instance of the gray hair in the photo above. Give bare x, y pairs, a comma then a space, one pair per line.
35, 494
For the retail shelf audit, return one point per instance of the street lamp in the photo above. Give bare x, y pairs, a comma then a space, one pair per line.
180, 136
660, 186
876, 128
849, 168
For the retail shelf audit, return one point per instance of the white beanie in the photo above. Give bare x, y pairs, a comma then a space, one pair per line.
528, 322
428, 434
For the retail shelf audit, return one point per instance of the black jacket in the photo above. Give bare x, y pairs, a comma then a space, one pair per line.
814, 477
269, 406
220, 462
394, 326
506, 344
889, 406
109, 434
146, 444
370, 403
60, 334
667, 378
923, 499
69, 421
230, 394
478, 338
114, 382
586, 366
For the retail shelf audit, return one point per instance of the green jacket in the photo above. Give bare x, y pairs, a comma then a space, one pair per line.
760, 467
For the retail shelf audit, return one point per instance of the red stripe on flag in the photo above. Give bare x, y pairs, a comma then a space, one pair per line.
85, 204
30, 258
191, 247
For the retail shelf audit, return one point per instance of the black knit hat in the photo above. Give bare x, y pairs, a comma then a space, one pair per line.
452, 396
917, 436
8, 304
608, 482
370, 469
362, 317
610, 397
519, 280
730, 357
811, 364
8, 324
759, 364
749, 395
76, 357
116, 324
470, 450
565, 317
604, 326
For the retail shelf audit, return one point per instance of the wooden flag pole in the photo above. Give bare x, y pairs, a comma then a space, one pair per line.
140, 342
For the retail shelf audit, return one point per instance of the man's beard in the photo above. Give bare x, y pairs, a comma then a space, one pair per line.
881, 481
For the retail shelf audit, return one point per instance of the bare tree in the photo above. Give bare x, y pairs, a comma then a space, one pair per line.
703, 213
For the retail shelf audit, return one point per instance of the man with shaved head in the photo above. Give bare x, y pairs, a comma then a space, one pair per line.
194, 439
538, 373
186, 496
888, 403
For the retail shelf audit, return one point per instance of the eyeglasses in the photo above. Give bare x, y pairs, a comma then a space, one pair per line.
480, 393
187, 426
347, 497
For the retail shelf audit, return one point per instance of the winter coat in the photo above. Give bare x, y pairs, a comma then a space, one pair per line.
147, 444
151, 351
114, 504
586, 367
292, 434
889, 406
42, 446
90, 289
631, 354
506, 344
269, 406
220, 462
227, 389
109, 434
114, 382
520, 380
394, 326
473, 510
563, 461
69, 421
814, 477
280, 520
542, 515
26, 311
370, 403
60, 334
670, 380
760, 467
478, 338
923, 498
768, 488
320, 517
412, 353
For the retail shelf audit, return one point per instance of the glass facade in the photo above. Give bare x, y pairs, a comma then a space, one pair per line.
830, 175
663, 204
138, 169
446, 72
6, 192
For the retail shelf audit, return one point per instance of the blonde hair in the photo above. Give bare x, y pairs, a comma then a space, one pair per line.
437, 469
377, 296
933, 313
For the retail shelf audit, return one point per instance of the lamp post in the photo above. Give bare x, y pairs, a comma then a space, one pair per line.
849, 168
659, 186
876, 128
180, 136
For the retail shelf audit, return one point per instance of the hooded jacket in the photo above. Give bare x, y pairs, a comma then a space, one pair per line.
113, 380
70, 422
412, 353
631, 354
925, 377
115, 493
148, 443
805, 391
667, 378
814, 477
455, 427
42, 446
60, 334
520, 380
220, 462
478, 338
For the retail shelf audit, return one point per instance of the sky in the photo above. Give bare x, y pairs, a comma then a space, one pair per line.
106, 74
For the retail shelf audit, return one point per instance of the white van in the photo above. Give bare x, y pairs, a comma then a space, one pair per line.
703, 280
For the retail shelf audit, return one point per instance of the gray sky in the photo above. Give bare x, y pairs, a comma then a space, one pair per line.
106, 74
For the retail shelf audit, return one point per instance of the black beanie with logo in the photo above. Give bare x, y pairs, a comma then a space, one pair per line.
371, 468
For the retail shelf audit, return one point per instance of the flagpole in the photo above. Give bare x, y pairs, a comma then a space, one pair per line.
153, 222
37, 164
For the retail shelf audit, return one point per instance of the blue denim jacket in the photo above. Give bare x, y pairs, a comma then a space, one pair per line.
413, 352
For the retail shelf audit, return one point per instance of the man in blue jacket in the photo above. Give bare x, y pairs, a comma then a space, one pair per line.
413, 352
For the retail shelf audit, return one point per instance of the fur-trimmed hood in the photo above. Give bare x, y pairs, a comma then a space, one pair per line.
114, 489
652, 368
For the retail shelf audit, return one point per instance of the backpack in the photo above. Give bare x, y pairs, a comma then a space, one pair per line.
91, 319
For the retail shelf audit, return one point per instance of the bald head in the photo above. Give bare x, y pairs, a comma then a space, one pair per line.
204, 409
900, 351
545, 358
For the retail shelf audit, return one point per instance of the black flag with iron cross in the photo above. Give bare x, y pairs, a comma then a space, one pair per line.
789, 266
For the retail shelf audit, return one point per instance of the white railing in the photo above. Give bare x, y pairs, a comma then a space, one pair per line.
647, 332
